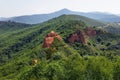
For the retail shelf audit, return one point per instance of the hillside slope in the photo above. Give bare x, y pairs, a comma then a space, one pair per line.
113, 28
23, 57
88, 21
8, 27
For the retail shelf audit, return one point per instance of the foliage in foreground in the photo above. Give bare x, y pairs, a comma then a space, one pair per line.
75, 67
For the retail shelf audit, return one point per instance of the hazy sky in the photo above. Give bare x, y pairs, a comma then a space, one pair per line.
10, 8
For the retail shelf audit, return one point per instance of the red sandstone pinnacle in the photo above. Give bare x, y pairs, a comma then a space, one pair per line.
49, 39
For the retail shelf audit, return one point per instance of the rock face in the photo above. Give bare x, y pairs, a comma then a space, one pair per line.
49, 39
78, 36
90, 32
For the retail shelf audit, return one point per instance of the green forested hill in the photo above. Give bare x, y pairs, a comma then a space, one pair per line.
113, 28
95, 60
7, 27
88, 21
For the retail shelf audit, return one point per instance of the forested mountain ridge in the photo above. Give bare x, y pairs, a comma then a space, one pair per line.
112, 28
10, 26
92, 55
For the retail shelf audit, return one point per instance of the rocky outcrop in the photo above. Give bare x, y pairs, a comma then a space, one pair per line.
49, 39
90, 32
78, 36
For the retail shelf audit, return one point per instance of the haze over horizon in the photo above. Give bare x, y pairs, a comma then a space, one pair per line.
28, 7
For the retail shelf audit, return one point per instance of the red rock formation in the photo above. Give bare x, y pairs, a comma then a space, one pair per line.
49, 39
77, 36
80, 36
90, 32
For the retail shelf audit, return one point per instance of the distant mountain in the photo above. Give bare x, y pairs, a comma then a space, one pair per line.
3, 19
107, 17
39, 18
118, 14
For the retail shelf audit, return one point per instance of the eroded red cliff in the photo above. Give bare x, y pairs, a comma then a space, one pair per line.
49, 39
80, 36
90, 32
